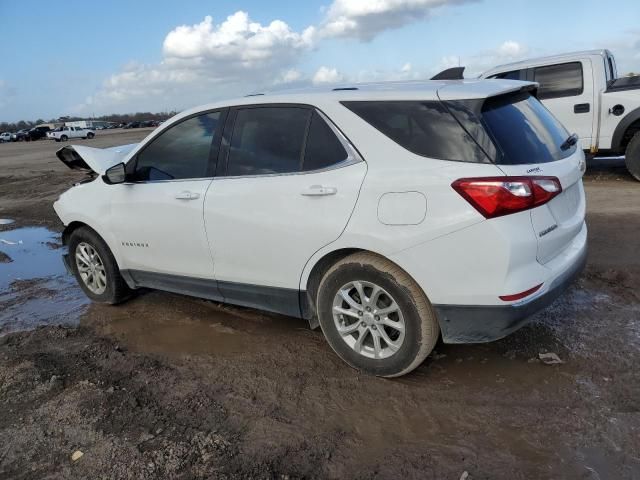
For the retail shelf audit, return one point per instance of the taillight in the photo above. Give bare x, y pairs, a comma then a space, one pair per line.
498, 196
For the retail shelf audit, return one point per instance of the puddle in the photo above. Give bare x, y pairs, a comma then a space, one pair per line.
35, 289
159, 322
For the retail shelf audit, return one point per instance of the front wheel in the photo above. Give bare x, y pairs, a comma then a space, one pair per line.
64, 138
632, 156
375, 317
95, 268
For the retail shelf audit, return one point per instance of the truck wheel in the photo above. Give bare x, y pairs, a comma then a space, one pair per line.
90, 135
64, 138
632, 156
375, 317
95, 268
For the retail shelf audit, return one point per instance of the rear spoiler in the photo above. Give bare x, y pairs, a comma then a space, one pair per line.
455, 73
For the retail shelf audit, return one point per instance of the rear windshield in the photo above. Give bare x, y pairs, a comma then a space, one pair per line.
523, 130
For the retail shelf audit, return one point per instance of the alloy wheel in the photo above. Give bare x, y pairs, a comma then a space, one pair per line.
91, 268
368, 319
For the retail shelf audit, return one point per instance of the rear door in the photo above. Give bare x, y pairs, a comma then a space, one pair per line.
567, 90
529, 142
287, 188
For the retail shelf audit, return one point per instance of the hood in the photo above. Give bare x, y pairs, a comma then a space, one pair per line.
99, 160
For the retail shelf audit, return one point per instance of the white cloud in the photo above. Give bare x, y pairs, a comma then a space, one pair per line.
364, 19
327, 75
291, 76
205, 61
237, 41
511, 49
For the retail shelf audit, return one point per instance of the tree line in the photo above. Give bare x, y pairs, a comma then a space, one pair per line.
114, 117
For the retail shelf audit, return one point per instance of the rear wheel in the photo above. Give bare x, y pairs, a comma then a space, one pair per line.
95, 268
375, 317
90, 135
632, 156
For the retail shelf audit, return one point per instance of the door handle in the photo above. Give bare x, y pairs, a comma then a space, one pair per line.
319, 191
581, 108
186, 195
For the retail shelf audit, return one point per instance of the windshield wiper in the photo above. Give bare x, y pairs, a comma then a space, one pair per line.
569, 142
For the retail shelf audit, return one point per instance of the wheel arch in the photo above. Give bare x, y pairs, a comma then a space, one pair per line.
625, 130
310, 284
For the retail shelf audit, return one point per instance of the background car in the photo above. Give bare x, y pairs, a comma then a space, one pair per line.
38, 133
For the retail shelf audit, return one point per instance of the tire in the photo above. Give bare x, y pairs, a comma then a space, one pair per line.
632, 156
115, 290
64, 138
408, 346
90, 136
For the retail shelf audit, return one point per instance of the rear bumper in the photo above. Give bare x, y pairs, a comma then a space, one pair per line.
478, 324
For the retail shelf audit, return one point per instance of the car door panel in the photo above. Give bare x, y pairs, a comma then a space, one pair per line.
158, 214
158, 231
264, 229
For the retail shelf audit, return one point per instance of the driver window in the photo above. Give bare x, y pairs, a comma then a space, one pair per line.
180, 152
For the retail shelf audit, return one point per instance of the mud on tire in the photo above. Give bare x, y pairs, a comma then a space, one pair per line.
421, 330
116, 289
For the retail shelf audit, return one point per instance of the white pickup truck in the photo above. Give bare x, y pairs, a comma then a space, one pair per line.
583, 91
65, 133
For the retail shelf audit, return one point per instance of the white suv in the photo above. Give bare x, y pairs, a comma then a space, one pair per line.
386, 213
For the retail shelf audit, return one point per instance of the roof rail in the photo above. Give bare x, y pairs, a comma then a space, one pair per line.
339, 89
454, 73
254, 94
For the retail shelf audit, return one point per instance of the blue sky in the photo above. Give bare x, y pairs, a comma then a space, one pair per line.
89, 58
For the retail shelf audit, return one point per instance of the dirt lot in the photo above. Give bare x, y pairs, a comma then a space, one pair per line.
166, 386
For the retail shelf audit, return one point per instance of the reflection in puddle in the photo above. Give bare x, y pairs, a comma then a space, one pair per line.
34, 286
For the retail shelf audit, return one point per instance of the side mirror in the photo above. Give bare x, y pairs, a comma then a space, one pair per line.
115, 174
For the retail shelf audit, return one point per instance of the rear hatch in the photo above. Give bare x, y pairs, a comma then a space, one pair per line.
524, 139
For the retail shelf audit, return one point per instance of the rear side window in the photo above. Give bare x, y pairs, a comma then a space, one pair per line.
524, 131
425, 128
267, 140
563, 80
323, 148
180, 152
513, 75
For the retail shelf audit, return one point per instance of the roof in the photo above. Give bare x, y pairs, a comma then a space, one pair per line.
548, 59
409, 90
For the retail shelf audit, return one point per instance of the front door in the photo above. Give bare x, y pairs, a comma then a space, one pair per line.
158, 215
289, 186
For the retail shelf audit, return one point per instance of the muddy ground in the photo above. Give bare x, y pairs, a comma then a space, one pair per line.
166, 386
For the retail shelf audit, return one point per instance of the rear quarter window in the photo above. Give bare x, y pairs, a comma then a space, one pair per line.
425, 128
